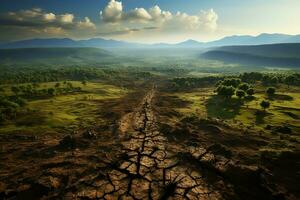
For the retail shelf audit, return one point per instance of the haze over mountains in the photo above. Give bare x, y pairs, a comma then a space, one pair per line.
103, 43
280, 55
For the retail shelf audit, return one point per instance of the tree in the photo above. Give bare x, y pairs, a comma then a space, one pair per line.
226, 91
250, 91
244, 87
20, 101
35, 85
15, 90
234, 82
51, 91
83, 82
265, 104
57, 85
240, 94
290, 80
271, 91
69, 85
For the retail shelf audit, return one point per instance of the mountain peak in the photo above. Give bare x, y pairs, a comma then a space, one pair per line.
190, 41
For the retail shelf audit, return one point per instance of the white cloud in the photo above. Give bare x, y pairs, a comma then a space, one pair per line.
166, 22
159, 15
138, 14
86, 23
35, 22
112, 12
137, 23
67, 18
49, 17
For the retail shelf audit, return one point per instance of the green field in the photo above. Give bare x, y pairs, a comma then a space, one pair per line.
66, 112
284, 108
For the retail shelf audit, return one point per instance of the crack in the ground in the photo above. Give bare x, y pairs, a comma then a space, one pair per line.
146, 169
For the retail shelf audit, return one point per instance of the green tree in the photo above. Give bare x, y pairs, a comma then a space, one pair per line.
15, 90
226, 91
271, 91
234, 82
244, 87
1, 90
290, 80
265, 104
51, 91
240, 94
57, 85
35, 85
84, 82
250, 92
20, 101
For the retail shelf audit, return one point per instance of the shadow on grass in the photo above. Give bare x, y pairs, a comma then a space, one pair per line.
260, 116
31, 119
282, 97
224, 108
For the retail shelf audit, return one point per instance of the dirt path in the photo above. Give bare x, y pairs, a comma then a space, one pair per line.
146, 169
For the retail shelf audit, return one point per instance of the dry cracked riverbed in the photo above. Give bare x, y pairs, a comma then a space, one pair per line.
147, 170
135, 159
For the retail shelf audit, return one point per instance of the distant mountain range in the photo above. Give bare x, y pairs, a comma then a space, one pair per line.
103, 43
279, 55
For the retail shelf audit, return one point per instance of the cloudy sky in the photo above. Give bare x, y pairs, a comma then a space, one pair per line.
146, 21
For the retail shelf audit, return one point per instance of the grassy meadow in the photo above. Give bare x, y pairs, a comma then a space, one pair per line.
284, 107
65, 112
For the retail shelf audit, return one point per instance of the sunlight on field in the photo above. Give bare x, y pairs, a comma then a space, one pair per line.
196, 101
284, 109
66, 111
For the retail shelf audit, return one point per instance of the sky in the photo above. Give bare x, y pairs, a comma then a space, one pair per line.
146, 21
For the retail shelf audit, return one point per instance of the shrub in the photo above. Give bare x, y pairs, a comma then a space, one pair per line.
244, 87
271, 91
265, 104
250, 91
240, 94
234, 82
226, 91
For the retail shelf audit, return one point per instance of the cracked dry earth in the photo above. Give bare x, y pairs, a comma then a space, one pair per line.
138, 161
147, 169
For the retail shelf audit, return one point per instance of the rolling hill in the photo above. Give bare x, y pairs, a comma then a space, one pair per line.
54, 55
281, 55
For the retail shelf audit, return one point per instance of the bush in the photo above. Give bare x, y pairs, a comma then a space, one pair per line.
244, 87
271, 91
265, 104
20, 101
234, 82
240, 94
226, 91
250, 91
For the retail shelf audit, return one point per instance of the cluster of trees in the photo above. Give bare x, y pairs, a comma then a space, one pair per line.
36, 75
268, 79
51, 75
271, 79
9, 106
190, 83
33, 90
233, 86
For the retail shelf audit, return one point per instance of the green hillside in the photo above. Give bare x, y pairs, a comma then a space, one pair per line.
281, 55
53, 55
